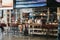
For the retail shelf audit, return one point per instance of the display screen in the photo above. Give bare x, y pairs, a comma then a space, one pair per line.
6, 4
30, 3
58, 1
31, 0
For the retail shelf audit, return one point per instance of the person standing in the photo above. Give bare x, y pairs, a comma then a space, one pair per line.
1, 26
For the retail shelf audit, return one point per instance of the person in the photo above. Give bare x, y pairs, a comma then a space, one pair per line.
1, 26
30, 21
39, 21
20, 27
26, 29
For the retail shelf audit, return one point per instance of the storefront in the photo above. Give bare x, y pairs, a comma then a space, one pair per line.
38, 18
31, 14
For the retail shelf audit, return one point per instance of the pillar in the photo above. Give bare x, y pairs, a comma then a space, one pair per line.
58, 13
5, 16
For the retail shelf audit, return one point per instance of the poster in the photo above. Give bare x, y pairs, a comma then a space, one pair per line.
6, 4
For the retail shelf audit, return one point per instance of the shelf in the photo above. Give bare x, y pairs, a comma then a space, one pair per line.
44, 29
38, 33
54, 30
53, 34
35, 29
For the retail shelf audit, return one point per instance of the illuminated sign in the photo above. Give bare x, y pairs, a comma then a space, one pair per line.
30, 3
6, 4
32, 0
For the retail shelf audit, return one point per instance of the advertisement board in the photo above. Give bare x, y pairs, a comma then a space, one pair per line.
6, 4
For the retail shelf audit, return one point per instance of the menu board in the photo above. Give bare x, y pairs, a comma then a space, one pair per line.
6, 4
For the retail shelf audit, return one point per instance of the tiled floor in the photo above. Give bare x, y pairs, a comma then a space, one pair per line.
10, 36
18, 36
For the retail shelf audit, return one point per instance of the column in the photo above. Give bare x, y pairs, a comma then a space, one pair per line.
21, 16
48, 15
58, 13
10, 16
16, 14
5, 16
